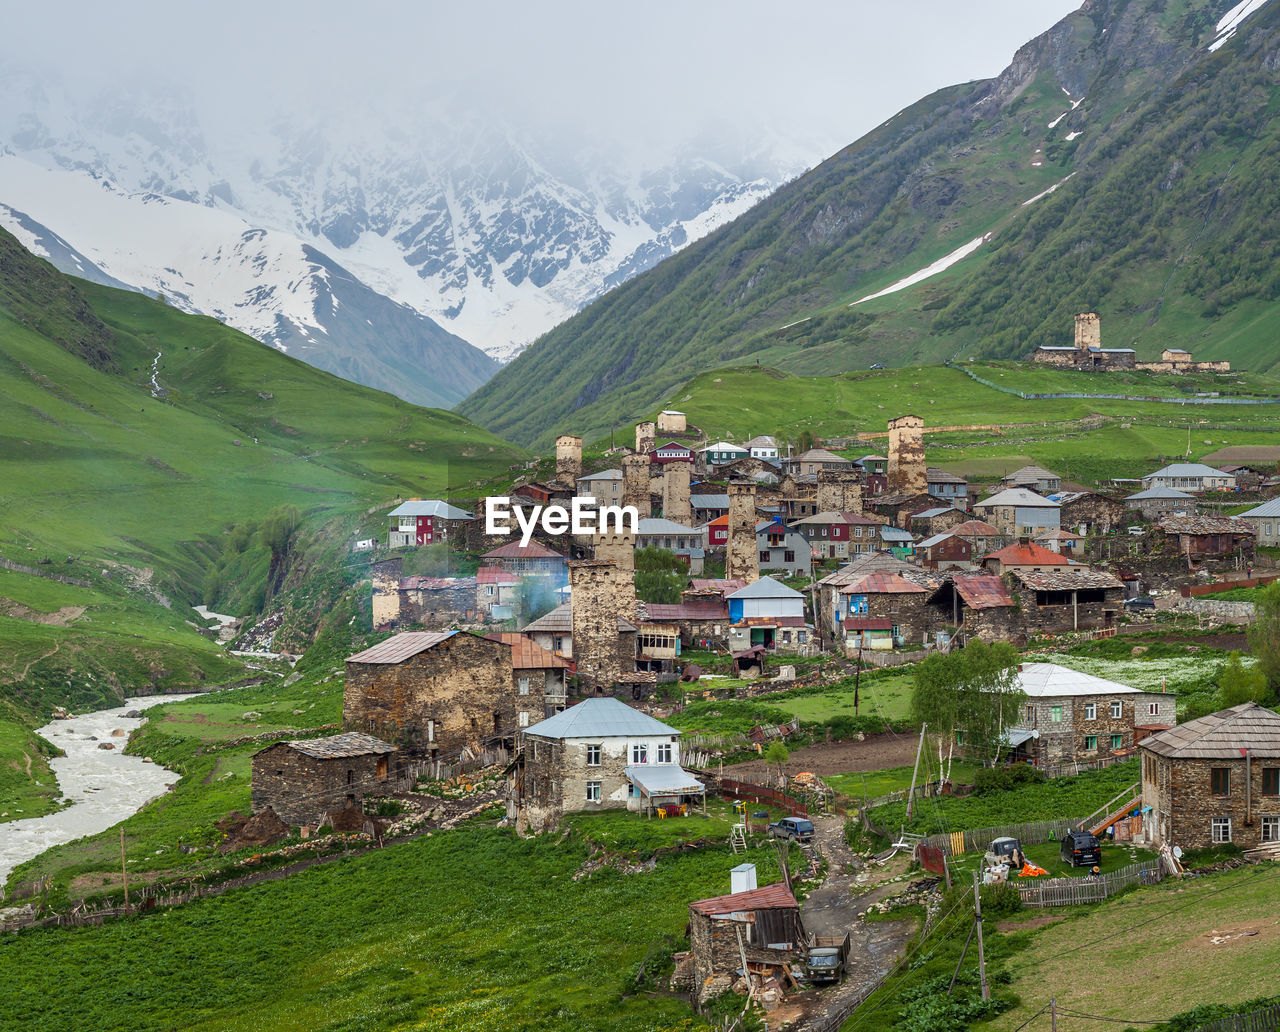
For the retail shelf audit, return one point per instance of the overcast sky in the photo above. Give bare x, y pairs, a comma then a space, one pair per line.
818, 73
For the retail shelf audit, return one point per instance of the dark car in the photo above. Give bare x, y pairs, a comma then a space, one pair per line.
796, 828
1140, 602
1080, 849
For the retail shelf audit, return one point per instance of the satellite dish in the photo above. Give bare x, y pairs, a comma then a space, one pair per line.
1177, 852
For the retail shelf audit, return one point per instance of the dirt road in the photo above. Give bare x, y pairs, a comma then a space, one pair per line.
875, 753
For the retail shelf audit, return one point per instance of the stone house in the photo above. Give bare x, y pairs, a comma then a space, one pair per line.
1078, 718
1209, 536
424, 522
782, 549
983, 536
813, 461
1069, 599
436, 693
1033, 478
1089, 513
599, 754
605, 487
1018, 512
497, 591
978, 605
700, 624
1026, 555
539, 673
672, 422
838, 535
1063, 542
887, 596
936, 520
407, 601
304, 780
1213, 780
1088, 352
944, 550
1193, 477
832, 604
946, 487
1155, 503
553, 631
762, 924
1265, 521
1248, 478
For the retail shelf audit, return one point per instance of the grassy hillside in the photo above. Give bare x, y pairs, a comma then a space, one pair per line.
1163, 220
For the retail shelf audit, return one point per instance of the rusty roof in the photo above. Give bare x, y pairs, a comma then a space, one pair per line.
1040, 580
1221, 735
350, 743
975, 528
882, 583
982, 590
1029, 554
495, 575
686, 611
527, 654
400, 647
771, 897
867, 623
1206, 525
515, 550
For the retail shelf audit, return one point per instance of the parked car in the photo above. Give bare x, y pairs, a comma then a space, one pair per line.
795, 828
1136, 531
1080, 849
827, 959
1139, 602
1008, 850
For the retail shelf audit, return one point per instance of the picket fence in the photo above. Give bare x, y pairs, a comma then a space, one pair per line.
1065, 892
762, 793
957, 842
1265, 1019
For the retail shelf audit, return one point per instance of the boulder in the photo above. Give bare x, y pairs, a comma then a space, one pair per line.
105, 745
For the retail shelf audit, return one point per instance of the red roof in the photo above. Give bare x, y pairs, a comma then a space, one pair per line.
527, 654
1029, 554
515, 550
982, 590
771, 897
686, 611
882, 583
867, 623
495, 575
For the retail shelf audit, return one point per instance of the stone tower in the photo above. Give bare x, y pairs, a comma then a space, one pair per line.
646, 437
596, 602
619, 548
386, 592
1088, 331
675, 493
839, 491
906, 471
635, 483
742, 559
568, 459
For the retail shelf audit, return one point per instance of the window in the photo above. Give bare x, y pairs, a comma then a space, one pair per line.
764, 557
1221, 829
664, 752
524, 686
801, 637
1055, 712
1031, 713
632, 792
1117, 742
1271, 829
488, 589
639, 754
557, 643
593, 791
1090, 743
1115, 711
593, 756
1090, 711
1154, 709
1271, 780
788, 556
824, 532
524, 719
1220, 785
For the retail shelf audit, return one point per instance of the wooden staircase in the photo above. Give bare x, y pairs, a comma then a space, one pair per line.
1107, 814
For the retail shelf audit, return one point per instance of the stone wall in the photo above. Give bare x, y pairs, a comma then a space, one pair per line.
1218, 610
742, 558
301, 789
646, 436
675, 493
1178, 368
839, 491
568, 459
618, 548
1088, 330
1062, 618
635, 482
715, 954
906, 469
1182, 796
386, 592
451, 696
911, 613
672, 422
599, 595
438, 607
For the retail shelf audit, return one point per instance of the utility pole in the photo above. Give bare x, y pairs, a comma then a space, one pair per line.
124, 874
982, 957
857, 679
911, 795
1053, 1014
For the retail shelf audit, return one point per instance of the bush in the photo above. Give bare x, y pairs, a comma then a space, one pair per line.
1000, 900
1001, 779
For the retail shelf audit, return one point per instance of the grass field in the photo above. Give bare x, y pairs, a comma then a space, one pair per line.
882, 782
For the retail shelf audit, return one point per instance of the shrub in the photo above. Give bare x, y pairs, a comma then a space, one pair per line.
1001, 779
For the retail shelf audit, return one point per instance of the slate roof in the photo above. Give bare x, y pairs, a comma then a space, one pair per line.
766, 587
933, 475
600, 718
723, 586
772, 897
558, 621
1063, 581
882, 583
527, 654
1048, 680
1206, 525
515, 550
975, 528
1019, 496
868, 562
1029, 554
400, 647
1221, 735
1269, 508
982, 590
418, 583
1029, 475
430, 507
349, 743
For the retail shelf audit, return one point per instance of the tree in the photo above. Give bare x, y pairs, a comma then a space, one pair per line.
660, 576
1237, 684
777, 753
1264, 635
804, 442
971, 691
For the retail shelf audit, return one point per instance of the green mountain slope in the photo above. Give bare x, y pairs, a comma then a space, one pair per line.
1162, 217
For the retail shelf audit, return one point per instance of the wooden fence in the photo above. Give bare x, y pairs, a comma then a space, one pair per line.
1265, 1019
1066, 770
1065, 892
762, 793
957, 842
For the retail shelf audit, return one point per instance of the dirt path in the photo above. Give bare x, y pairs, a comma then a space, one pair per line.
875, 753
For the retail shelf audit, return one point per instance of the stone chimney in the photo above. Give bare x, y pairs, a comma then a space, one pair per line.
675, 493
646, 437
568, 459
906, 472
742, 558
635, 483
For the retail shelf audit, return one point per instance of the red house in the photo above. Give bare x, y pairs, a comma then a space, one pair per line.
671, 452
423, 522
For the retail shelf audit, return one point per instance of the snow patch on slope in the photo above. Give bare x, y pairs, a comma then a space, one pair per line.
1229, 22
941, 265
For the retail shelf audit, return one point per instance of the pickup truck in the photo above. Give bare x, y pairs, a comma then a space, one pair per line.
795, 828
826, 960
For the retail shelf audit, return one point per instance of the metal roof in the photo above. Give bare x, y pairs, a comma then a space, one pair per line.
1018, 496
1221, 736
1029, 474
600, 718
867, 623
928, 514
400, 647
868, 562
1048, 680
766, 587
882, 583
937, 539
709, 501
527, 654
349, 743
821, 455
429, 507
686, 611
1188, 469
662, 779
771, 897
1269, 508
888, 533
982, 590
515, 550
1159, 492
724, 446
1029, 554
604, 474
495, 575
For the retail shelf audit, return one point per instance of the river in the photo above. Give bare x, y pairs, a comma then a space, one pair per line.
104, 785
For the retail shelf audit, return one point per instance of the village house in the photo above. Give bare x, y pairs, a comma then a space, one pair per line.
657, 532
671, 452
1155, 503
1088, 352
1065, 598
943, 551
497, 592
605, 487
420, 522
983, 536
1192, 477
762, 925
766, 613
1213, 780
1070, 717
707, 507
1027, 556
888, 596
1265, 521
672, 422
715, 535
832, 605
302, 781
722, 452
700, 624
553, 631
936, 520
1205, 537
1063, 542
1018, 512
658, 643
809, 463
783, 549
599, 754
536, 492
837, 535
947, 487
428, 601
539, 674
977, 606
532, 560
1086, 512
436, 693
901, 543
873, 465
1033, 478
1248, 478
762, 471
762, 447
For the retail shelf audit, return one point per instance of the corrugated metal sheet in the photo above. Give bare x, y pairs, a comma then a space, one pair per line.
1049, 680
1026, 555
401, 647
982, 591
882, 584
770, 897
527, 654
686, 611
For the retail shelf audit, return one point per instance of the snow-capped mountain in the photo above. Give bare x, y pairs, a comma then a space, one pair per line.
489, 231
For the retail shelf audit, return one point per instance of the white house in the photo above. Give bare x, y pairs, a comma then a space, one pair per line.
767, 613
762, 447
1194, 477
